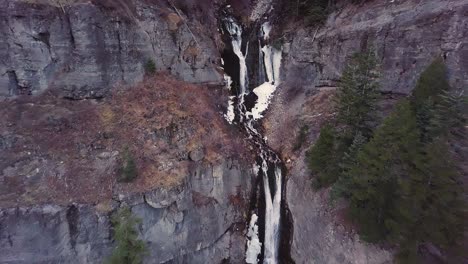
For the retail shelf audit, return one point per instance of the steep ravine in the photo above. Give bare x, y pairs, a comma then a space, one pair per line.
247, 105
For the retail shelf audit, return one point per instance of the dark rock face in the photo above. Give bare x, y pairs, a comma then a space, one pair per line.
84, 49
56, 194
407, 35
177, 225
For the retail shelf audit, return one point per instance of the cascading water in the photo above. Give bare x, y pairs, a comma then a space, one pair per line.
269, 165
235, 31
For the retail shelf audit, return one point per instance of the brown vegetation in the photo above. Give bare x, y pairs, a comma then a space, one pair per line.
52, 149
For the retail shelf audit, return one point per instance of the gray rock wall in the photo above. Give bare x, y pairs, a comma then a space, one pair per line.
201, 221
84, 49
407, 35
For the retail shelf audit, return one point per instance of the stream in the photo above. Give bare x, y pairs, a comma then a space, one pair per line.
246, 108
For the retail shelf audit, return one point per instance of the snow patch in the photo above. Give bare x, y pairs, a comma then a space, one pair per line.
254, 246
230, 115
266, 29
272, 61
227, 81
264, 93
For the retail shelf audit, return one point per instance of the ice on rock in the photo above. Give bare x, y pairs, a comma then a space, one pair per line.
254, 246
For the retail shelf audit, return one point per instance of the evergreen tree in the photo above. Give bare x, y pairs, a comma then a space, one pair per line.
128, 170
404, 185
358, 93
441, 213
342, 186
427, 95
321, 158
448, 117
314, 12
376, 198
129, 249
356, 101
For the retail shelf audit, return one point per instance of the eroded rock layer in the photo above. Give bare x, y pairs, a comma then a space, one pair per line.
84, 48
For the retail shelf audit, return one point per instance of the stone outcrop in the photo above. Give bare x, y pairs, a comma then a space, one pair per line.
60, 161
200, 221
406, 35
85, 48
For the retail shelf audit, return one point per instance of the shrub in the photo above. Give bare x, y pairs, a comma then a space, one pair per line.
314, 12
129, 249
301, 137
150, 67
128, 170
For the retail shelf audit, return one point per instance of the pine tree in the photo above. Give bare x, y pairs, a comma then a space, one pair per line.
404, 185
427, 95
314, 12
129, 249
441, 214
322, 159
358, 94
376, 195
448, 117
342, 186
356, 101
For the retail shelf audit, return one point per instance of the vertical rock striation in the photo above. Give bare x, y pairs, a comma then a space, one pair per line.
85, 48
200, 221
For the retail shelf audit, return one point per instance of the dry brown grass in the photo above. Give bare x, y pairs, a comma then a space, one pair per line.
174, 21
68, 137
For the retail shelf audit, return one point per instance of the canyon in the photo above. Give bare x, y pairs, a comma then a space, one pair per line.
212, 131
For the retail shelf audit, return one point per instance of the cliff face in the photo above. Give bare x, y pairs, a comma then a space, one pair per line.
84, 48
407, 36
59, 161
199, 221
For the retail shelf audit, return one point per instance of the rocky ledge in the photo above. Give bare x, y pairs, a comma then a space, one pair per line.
59, 161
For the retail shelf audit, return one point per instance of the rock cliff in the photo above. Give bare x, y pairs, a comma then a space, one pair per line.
84, 48
199, 221
61, 149
406, 35
59, 161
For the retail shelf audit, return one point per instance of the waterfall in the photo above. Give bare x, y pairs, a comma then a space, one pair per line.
261, 65
269, 166
272, 64
235, 32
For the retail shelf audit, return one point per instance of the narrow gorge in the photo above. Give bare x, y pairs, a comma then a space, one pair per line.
196, 116
246, 107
